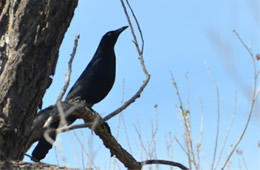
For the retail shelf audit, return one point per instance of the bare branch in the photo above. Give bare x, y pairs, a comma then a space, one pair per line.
187, 130
199, 144
218, 116
67, 80
169, 147
164, 162
181, 146
74, 127
138, 26
228, 130
128, 102
138, 131
253, 100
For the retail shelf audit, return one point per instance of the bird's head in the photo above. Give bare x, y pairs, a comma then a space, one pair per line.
110, 38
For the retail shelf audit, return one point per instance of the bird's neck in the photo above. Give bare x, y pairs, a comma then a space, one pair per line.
108, 52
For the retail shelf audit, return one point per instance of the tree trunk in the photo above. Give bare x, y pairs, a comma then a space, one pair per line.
31, 32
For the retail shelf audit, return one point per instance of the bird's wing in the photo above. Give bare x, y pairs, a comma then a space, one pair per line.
85, 78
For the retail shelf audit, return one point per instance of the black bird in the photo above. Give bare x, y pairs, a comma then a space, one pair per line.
92, 86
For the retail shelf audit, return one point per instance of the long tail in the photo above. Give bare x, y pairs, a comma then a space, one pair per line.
43, 147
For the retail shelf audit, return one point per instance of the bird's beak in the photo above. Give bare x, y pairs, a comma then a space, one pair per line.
118, 31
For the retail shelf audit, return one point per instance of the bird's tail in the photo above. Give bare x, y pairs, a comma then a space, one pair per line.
43, 147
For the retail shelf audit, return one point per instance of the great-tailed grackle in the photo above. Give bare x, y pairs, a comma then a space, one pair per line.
91, 87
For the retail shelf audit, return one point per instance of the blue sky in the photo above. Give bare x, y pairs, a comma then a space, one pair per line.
182, 37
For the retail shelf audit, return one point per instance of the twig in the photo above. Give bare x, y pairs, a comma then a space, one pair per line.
254, 97
199, 144
67, 79
74, 127
120, 118
62, 116
138, 131
228, 130
121, 115
155, 130
169, 147
218, 117
56, 156
83, 148
181, 146
138, 26
163, 162
188, 91
139, 50
126, 134
187, 133
240, 153
127, 103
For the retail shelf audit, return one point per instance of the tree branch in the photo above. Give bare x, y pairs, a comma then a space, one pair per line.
67, 80
164, 162
253, 100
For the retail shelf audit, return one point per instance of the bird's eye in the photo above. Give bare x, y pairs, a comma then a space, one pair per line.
109, 34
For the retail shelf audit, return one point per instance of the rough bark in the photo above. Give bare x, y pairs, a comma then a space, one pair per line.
31, 32
29, 166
